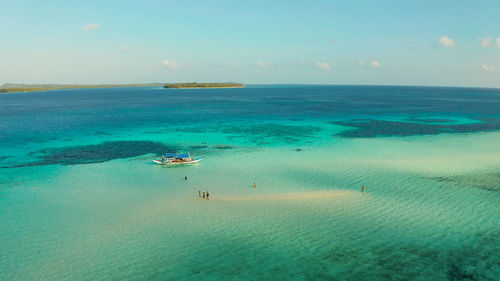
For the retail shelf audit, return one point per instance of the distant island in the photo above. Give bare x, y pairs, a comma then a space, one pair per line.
192, 85
20, 87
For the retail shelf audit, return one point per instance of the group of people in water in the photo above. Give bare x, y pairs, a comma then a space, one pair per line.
206, 195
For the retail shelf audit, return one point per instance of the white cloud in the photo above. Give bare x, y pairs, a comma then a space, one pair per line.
91, 26
486, 42
375, 63
361, 63
323, 65
262, 64
127, 48
170, 64
488, 68
447, 42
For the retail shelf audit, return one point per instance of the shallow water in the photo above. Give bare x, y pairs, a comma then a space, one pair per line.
81, 199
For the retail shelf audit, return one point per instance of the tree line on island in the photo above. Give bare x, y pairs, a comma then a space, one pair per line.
204, 85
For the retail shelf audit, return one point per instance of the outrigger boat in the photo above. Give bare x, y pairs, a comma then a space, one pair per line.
177, 159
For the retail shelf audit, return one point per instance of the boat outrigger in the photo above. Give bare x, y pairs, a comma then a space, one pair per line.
177, 159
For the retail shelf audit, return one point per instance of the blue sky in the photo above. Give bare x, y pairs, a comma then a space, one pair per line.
443, 43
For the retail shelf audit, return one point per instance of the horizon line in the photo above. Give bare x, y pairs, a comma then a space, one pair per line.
249, 84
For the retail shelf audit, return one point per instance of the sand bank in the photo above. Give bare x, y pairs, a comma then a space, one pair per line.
305, 195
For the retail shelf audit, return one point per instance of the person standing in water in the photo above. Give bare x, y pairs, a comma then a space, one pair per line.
254, 185
203, 194
208, 195
199, 193
363, 188
185, 178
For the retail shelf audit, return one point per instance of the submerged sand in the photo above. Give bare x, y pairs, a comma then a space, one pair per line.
306, 195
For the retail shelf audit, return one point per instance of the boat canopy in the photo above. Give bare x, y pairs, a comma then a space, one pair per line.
176, 155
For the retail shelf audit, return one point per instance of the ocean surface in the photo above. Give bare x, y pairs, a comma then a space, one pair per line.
80, 198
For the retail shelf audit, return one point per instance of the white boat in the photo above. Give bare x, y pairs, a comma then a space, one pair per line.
176, 159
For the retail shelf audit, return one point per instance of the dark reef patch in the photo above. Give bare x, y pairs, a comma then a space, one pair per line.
431, 120
376, 128
192, 129
102, 133
97, 153
222, 146
201, 146
285, 133
489, 181
369, 128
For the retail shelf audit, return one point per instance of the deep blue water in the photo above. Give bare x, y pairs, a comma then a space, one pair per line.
363, 111
34, 117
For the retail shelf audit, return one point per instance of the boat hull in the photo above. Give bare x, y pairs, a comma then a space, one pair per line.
171, 163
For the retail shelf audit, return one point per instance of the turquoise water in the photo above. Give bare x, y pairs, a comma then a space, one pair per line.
80, 198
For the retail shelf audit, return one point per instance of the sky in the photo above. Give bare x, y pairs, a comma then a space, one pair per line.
432, 43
